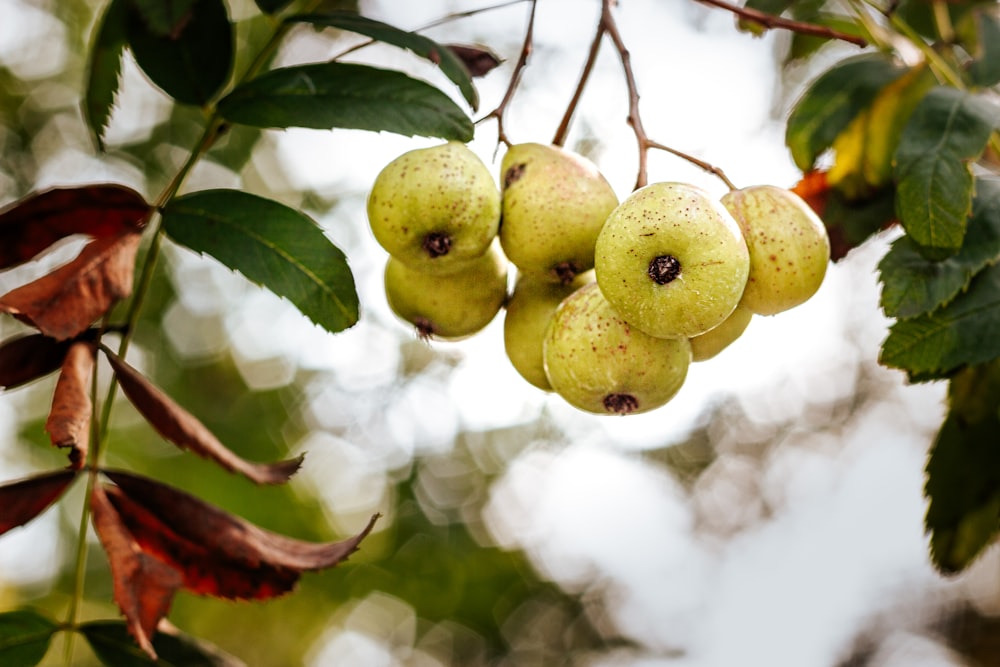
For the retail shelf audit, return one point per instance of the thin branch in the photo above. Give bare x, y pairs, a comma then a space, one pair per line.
515, 78
595, 48
771, 21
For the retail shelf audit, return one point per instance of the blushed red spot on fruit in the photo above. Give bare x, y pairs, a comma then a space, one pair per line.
513, 174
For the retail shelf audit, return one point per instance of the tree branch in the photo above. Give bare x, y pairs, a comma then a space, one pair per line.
515, 78
771, 21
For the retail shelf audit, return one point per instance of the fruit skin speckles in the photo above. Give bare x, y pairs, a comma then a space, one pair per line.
788, 243
672, 261
598, 363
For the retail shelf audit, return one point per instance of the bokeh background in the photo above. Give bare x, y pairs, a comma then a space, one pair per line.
771, 514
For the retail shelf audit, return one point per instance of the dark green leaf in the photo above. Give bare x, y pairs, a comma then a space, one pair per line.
424, 47
272, 6
832, 101
104, 69
804, 45
947, 130
192, 65
851, 223
24, 637
165, 18
914, 285
961, 333
115, 647
963, 471
328, 95
774, 7
984, 71
272, 245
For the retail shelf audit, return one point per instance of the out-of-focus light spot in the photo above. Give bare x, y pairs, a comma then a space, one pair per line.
32, 41
194, 337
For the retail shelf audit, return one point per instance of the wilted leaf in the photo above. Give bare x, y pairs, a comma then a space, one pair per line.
331, 95
450, 64
832, 101
964, 332
478, 60
27, 358
114, 647
948, 129
191, 64
914, 285
219, 554
68, 424
272, 245
144, 586
184, 430
23, 500
31, 225
24, 637
65, 302
104, 68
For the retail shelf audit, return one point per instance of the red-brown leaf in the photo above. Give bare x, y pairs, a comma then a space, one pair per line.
220, 554
27, 358
184, 430
23, 500
479, 60
68, 424
31, 225
814, 189
64, 303
144, 586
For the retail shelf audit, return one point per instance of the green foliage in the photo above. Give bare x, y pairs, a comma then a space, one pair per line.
24, 637
164, 19
984, 70
105, 69
272, 245
115, 647
329, 95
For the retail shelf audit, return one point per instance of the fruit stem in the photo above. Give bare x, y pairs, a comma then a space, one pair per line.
515, 78
773, 21
595, 46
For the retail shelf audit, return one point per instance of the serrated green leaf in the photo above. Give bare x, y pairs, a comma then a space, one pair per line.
272, 245
104, 70
832, 101
191, 64
114, 646
329, 95
450, 64
947, 130
163, 17
24, 637
963, 471
914, 285
964, 332
984, 71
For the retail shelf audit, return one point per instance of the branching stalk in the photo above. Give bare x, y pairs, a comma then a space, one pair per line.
515, 78
771, 21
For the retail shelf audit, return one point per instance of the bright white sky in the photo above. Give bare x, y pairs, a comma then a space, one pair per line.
838, 551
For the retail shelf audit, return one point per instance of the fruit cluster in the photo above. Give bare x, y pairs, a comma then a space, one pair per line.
612, 301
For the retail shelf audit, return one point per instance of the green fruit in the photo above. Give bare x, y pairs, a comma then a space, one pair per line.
529, 311
554, 205
449, 306
598, 363
672, 261
435, 208
713, 341
789, 247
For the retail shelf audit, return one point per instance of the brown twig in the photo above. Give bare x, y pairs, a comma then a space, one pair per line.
772, 21
515, 78
595, 47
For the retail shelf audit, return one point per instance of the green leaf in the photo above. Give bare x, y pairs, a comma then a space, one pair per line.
804, 45
773, 7
832, 101
104, 70
271, 6
165, 18
961, 333
24, 637
115, 647
272, 245
963, 471
947, 130
328, 95
450, 64
984, 71
191, 64
914, 285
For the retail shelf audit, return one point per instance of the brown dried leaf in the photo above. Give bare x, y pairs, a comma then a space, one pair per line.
68, 424
184, 430
144, 586
23, 500
220, 554
479, 60
29, 226
27, 358
65, 302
